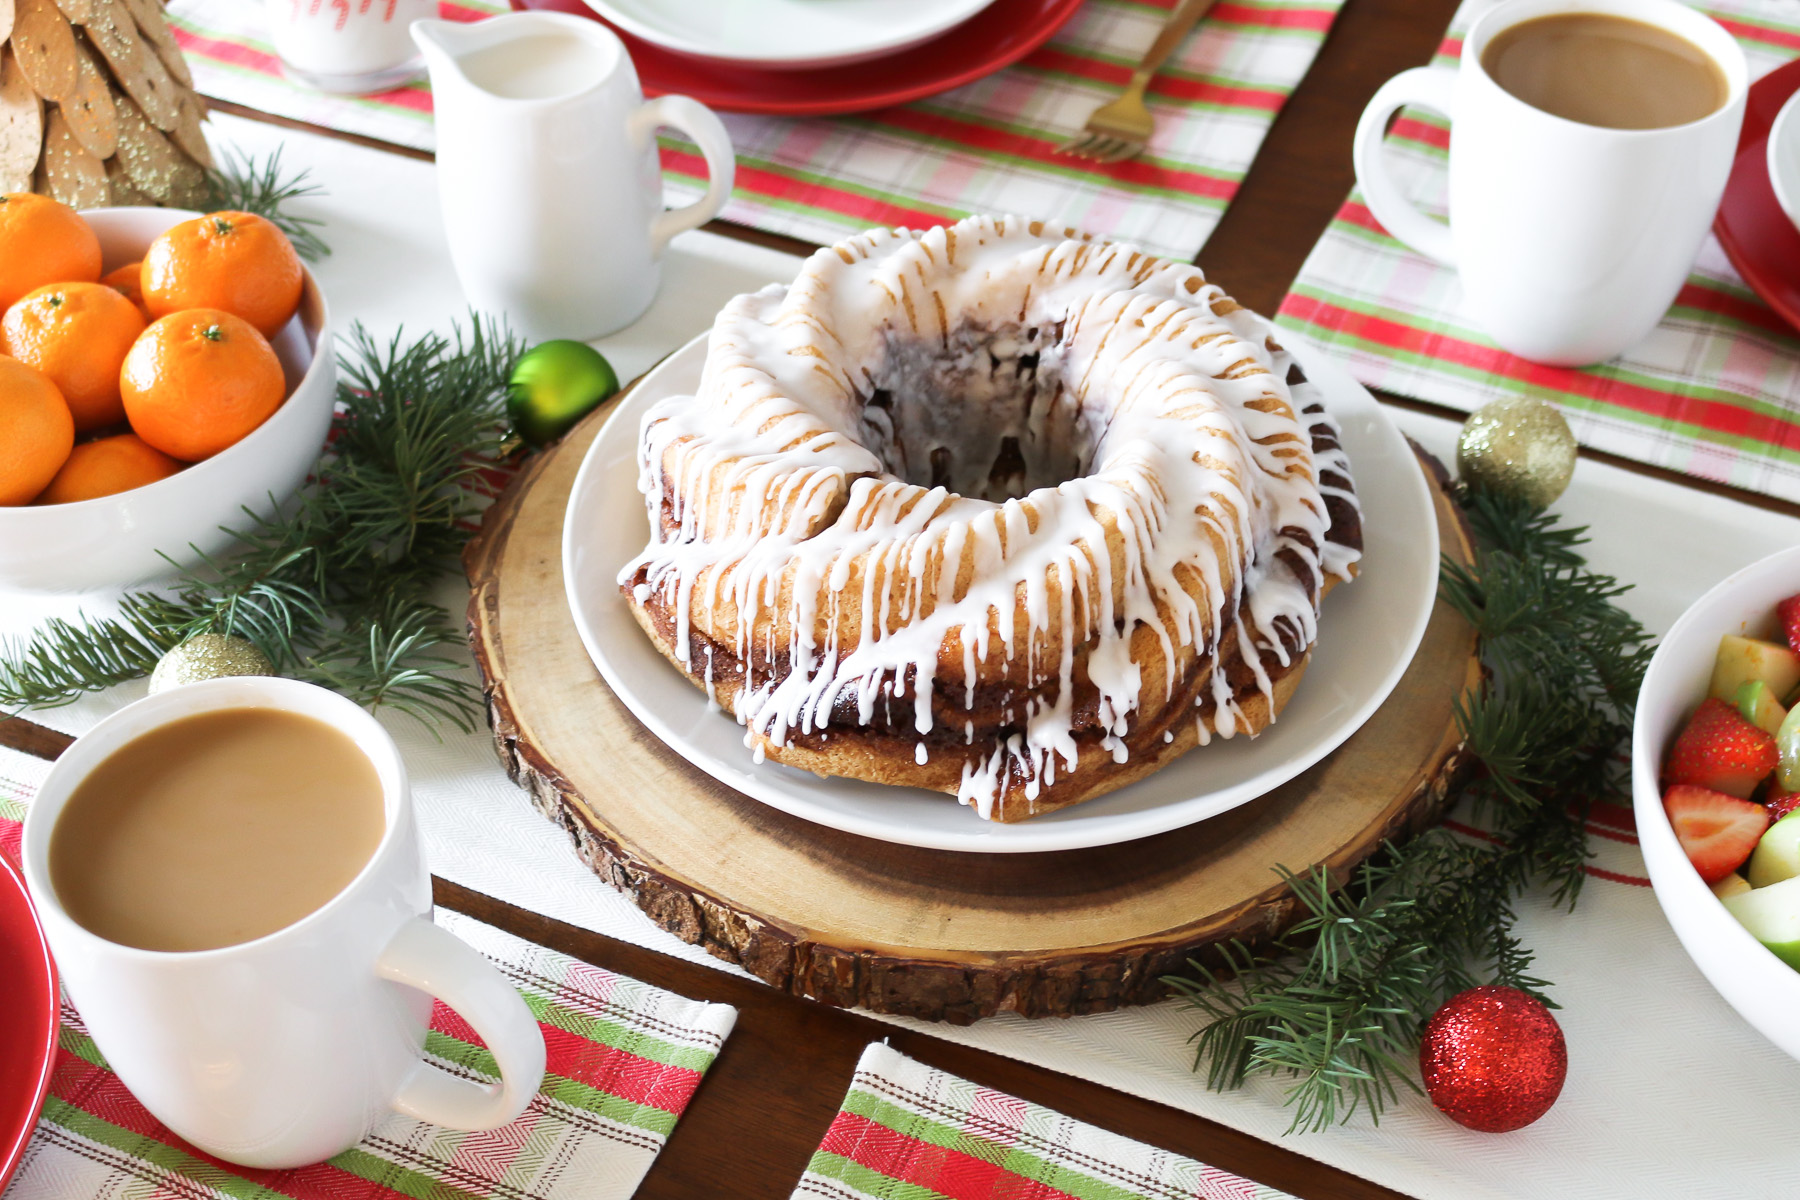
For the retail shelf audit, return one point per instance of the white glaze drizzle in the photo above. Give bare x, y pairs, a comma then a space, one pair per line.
793, 538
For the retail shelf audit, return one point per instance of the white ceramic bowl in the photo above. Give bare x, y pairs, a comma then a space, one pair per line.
1764, 990
114, 540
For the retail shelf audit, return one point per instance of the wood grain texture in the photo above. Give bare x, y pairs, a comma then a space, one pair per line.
28, 737
923, 933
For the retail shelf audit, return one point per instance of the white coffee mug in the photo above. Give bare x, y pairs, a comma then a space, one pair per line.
347, 46
288, 1049
548, 173
1571, 240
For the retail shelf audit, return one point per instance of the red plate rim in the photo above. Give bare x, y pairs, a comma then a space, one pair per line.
15, 903
1752, 229
745, 89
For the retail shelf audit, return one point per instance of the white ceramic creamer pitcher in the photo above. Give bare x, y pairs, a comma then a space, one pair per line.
547, 167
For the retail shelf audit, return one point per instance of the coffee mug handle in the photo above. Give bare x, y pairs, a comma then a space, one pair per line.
703, 125
440, 964
1434, 88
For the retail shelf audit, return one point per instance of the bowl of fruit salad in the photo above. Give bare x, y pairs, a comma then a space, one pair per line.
165, 376
1716, 785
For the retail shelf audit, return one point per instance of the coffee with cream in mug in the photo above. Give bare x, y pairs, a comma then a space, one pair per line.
216, 829
1603, 70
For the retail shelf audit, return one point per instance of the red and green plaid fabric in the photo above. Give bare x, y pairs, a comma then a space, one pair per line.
1714, 392
907, 1131
624, 1059
986, 147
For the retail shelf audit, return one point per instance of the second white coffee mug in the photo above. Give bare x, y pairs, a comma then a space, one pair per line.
548, 174
287, 1049
1571, 240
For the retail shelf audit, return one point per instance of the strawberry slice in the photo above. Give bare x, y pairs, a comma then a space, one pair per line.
1721, 751
1717, 831
1788, 613
1780, 803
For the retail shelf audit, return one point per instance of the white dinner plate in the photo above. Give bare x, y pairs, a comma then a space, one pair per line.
787, 33
1784, 158
1368, 632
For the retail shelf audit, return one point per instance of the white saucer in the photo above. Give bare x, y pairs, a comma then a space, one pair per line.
1784, 158
1367, 635
787, 33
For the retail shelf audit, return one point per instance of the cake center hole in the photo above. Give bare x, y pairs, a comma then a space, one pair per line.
987, 416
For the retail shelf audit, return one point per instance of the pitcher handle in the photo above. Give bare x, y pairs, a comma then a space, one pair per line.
708, 132
438, 963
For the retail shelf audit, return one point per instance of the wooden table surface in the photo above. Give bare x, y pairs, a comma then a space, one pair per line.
768, 1099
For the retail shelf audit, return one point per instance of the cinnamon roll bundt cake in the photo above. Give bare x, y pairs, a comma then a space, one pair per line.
993, 511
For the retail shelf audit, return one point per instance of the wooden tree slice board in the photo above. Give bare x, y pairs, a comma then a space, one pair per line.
926, 933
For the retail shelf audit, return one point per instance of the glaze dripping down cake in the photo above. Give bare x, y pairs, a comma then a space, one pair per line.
995, 511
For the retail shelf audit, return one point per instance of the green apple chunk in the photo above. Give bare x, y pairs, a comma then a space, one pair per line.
1777, 854
1732, 885
1742, 659
1772, 915
1758, 705
1787, 746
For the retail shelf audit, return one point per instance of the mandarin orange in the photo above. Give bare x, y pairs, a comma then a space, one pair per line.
128, 281
198, 381
235, 261
36, 432
77, 335
42, 242
106, 466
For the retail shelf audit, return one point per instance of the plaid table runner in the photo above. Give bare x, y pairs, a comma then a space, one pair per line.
909, 1130
985, 147
1713, 392
624, 1060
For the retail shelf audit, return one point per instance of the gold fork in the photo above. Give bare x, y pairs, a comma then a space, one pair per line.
1120, 129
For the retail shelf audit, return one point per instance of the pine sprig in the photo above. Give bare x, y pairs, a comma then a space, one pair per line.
243, 184
1337, 1003
65, 658
333, 586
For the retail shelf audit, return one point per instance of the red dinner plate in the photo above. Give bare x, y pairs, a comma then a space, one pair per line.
998, 36
28, 1018
1757, 236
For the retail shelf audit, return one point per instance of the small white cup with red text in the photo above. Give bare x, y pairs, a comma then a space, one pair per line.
348, 46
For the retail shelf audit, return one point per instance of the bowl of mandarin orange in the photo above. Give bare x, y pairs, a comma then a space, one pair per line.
165, 377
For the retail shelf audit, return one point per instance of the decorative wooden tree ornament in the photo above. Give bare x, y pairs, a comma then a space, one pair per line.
97, 106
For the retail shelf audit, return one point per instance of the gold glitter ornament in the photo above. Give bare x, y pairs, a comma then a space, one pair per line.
208, 656
1518, 446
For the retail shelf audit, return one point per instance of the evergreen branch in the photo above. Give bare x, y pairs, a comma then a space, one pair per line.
389, 664
1337, 1003
63, 659
243, 184
332, 587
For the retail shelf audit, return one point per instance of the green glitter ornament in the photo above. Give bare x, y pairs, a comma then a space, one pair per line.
554, 385
208, 656
1518, 446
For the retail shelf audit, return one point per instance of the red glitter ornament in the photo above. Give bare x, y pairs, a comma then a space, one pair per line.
1493, 1059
